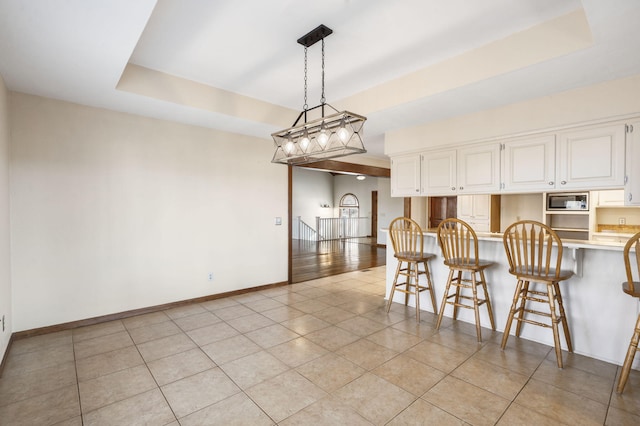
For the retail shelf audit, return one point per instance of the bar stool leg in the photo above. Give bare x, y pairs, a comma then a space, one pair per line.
554, 324
408, 284
628, 360
458, 281
476, 308
393, 286
524, 293
416, 283
444, 299
512, 312
430, 286
563, 317
488, 300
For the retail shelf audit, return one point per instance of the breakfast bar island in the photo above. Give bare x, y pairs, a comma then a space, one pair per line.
600, 316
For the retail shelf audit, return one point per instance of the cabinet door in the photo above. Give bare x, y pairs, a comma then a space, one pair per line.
591, 158
529, 164
405, 176
476, 207
476, 211
439, 173
607, 198
632, 185
479, 169
465, 207
482, 207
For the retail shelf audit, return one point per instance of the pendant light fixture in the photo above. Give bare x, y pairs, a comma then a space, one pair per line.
328, 136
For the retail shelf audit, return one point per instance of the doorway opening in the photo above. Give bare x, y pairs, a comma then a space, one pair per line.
324, 257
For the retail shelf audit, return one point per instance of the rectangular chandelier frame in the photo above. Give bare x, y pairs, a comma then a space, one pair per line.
330, 136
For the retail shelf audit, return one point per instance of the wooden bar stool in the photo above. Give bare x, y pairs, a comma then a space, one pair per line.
632, 288
407, 240
459, 245
529, 246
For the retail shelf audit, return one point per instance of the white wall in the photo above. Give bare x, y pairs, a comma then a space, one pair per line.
610, 99
515, 207
5, 257
310, 189
112, 212
345, 184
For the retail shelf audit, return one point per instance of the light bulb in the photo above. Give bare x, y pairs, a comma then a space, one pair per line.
289, 147
304, 142
323, 137
343, 133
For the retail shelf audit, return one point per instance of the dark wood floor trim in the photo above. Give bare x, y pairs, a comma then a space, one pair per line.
6, 354
121, 315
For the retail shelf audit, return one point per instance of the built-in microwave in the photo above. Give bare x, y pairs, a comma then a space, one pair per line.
568, 201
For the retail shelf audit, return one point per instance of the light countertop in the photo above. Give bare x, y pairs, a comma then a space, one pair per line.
569, 243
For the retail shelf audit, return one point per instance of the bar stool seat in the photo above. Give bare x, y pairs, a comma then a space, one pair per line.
549, 275
459, 245
529, 247
632, 288
407, 240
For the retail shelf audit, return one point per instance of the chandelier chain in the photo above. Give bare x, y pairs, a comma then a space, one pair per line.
322, 98
306, 106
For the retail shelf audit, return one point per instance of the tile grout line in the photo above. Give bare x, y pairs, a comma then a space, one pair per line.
241, 390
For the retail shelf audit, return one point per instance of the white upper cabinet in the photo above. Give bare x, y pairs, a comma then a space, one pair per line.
580, 159
405, 176
591, 158
632, 185
474, 169
529, 164
479, 169
439, 173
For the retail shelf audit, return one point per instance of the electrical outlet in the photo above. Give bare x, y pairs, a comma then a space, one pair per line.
210, 276
622, 221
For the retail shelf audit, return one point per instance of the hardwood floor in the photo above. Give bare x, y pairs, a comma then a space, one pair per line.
317, 259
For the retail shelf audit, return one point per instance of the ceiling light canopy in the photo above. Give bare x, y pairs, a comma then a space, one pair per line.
326, 136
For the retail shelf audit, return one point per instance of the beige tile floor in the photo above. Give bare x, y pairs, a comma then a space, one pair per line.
323, 352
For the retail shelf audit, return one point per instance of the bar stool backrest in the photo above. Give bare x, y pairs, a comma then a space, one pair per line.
406, 237
458, 242
529, 247
634, 242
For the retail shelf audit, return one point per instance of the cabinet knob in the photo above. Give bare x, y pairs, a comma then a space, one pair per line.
453, 188
462, 187
564, 182
417, 190
551, 183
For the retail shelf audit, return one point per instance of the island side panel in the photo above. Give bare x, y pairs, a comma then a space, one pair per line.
601, 317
